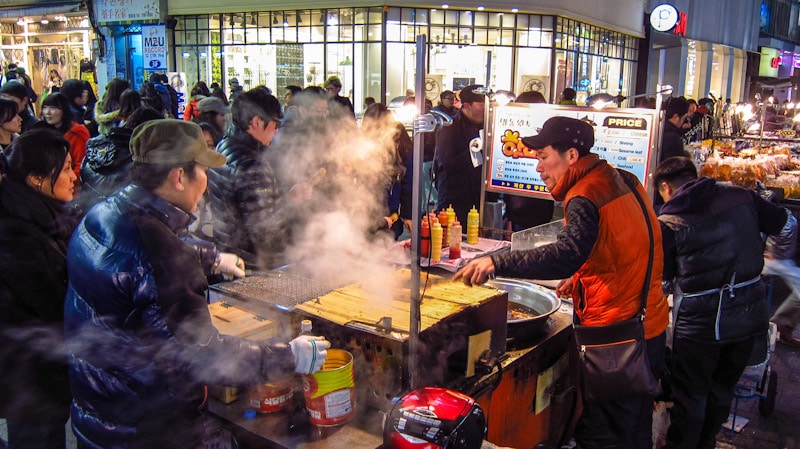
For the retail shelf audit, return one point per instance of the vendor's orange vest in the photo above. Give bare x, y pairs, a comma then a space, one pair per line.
608, 286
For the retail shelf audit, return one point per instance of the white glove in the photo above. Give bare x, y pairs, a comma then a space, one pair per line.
309, 353
229, 265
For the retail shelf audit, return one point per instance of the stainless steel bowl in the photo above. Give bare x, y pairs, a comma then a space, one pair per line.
534, 300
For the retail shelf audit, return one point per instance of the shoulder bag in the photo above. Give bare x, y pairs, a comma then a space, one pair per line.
614, 362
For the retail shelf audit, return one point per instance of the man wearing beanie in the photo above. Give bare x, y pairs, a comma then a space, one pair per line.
602, 256
213, 111
139, 334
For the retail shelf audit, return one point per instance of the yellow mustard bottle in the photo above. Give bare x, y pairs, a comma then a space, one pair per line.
473, 220
436, 241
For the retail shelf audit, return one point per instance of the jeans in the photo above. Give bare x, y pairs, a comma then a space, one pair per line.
626, 423
788, 314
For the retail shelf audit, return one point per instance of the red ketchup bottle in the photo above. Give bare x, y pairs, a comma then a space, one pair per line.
455, 240
425, 238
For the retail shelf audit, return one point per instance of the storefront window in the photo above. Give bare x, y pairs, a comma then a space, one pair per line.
304, 47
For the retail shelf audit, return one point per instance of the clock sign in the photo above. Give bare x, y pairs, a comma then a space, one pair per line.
664, 17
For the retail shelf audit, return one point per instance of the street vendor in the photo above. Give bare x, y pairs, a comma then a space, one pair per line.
139, 334
601, 254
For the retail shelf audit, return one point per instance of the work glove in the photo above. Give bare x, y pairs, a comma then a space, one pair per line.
309, 353
229, 265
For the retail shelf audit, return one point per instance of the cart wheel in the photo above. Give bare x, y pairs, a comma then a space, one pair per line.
766, 405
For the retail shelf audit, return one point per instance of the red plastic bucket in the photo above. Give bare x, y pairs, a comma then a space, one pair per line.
330, 394
272, 397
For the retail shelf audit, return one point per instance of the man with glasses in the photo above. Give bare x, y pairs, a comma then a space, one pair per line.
251, 216
446, 103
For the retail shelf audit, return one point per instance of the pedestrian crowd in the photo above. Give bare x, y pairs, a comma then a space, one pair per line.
116, 215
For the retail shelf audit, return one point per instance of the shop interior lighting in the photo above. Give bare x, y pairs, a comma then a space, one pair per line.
298, 19
274, 20
445, 5
481, 8
21, 22
44, 20
253, 19
332, 20
514, 9
285, 21
84, 23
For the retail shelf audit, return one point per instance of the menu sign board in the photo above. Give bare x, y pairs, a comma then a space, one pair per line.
623, 137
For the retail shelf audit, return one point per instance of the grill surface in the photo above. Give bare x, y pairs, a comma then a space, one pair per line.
282, 289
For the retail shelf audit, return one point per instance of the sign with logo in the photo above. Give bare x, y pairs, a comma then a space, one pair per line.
664, 17
154, 43
126, 11
770, 61
623, 137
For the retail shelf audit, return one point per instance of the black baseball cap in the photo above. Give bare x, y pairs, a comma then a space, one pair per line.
576, 133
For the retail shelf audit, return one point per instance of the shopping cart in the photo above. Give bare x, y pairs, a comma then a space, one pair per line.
759, 379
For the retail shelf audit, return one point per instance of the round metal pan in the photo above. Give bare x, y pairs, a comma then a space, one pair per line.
530, 299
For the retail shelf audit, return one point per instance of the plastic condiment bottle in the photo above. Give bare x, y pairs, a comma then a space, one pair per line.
455, 240
451, 214
425, 237
305, 327
436, 241
444, 220
473, 221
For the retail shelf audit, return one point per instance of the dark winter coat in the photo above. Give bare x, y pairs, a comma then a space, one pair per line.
249, 217
139, 333
33, 284
712, 240
671, 142
457, 180
106, 167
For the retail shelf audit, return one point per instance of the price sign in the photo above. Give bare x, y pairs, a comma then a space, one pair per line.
623, 137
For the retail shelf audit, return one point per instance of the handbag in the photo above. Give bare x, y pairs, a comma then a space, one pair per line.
614, 363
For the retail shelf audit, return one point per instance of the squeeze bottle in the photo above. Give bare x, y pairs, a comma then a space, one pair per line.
473, 219
451, 214
436, 241
425, 238
455, 240
444, 220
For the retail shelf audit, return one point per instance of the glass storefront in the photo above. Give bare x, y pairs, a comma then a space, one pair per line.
49, 43
713, 69
373, 51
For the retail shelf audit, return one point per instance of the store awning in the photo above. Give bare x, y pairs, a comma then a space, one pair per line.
39, 9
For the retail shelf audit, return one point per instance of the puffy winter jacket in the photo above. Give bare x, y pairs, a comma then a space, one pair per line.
138, 330
106, 167
250, 218
713, 250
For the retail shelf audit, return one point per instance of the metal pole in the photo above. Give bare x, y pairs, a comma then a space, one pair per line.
487, 105
416, 219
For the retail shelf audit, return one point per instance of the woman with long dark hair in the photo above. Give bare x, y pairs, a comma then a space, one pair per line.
34, 231
10, 122
106, 111
58, 115
129, 101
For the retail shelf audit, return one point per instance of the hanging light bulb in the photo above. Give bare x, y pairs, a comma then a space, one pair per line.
44, 20
274, 20
21, 22
285, 21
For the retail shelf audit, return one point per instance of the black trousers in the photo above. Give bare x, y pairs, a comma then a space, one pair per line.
46, 433
626, 423
703, 377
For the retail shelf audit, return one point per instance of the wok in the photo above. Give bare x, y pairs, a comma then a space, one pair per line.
526, 299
